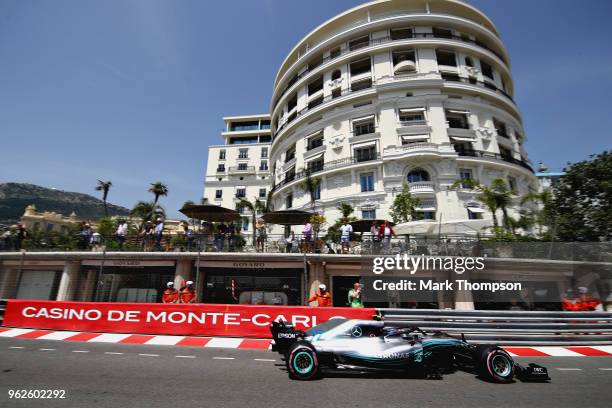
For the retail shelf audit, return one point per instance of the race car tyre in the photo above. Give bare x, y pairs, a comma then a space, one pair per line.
494, 363
302, 361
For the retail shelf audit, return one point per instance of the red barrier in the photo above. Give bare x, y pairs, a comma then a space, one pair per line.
177, 319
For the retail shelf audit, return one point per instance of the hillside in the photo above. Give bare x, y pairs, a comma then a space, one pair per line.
15, 197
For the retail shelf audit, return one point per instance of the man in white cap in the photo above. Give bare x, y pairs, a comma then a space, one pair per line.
322, 296
188, 293
171, 295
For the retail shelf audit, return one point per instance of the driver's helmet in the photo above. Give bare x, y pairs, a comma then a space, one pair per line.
391, 331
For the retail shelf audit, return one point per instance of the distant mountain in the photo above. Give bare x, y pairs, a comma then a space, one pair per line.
15, 197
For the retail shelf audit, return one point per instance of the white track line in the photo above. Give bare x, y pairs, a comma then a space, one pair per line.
165, 340
80, 351
109, 338
148, 355
263, 359
569, 369
558, 351
606, 369
224, 342
16, 347
15, 332
113, 353
46, 349
224, 358
58, 335
185, 356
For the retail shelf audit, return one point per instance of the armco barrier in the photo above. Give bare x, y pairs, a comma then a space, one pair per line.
510, 327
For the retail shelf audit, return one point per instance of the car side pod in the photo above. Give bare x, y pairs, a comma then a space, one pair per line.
531, 373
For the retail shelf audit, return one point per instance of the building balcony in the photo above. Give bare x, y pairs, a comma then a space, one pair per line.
331, 165
461, 134
242, 170
494, 156
422, 187
409, 149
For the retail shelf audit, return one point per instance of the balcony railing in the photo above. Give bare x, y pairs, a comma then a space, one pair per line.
245, 169
345, 91
421, 187
379, 41
495, 156
335, 164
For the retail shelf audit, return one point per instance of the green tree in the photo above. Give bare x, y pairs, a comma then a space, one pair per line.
146, 211
158, 189
104, 187
496, 196
311, 185
542, 216
256, 207
404, 206
345, 209
582, 200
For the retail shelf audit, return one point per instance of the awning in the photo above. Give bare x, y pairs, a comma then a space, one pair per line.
363, 119
315, 157
463, 138
287, 217
317, 133
426, 208
209, 212
412, 138
462, 112
476, 210
364, 144
408, 110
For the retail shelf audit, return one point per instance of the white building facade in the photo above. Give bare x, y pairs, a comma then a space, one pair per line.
239, 168
387, 93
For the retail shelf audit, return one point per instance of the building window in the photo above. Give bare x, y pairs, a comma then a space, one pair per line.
412, 115
263, 166
315, 141
317, 192
360, 67
245, 223
290, 175
360, 42
222, 154
242, 166
365, 153
243, 153
315, 165
289, 201
446, 58
262, 193
368, 214
464, 148
401, 33
486, 69
241, 192
506, 154
315, 86
242, 126
334, 53
457, 119
404, 62
336, 93
417, 175
363, 126
221, 168
290, 154
442, 33
512, 185
219, 194
315, 62
336, 74
466, 178
264, 152
500, 127
292, 103
429, 215
367, 182
474, 215
469, 62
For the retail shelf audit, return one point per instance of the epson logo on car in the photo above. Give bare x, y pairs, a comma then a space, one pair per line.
287, 335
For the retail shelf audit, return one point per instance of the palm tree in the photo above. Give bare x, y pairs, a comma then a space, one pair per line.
486, 196
311, 186
104, 186
158, 189
256, 207
146, 211
543, 216
503, 198
345, 209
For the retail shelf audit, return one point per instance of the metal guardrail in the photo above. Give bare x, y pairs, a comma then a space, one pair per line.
510, 327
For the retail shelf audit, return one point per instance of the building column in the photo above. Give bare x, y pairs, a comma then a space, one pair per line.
8, 282
183, 272
316, 276
68, 282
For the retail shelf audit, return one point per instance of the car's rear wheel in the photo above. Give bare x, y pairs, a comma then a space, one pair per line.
494, 363
302, 361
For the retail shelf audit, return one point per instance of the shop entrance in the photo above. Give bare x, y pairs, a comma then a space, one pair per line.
264, 286
133, 284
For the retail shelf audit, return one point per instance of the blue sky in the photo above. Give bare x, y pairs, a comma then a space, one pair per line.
134, 90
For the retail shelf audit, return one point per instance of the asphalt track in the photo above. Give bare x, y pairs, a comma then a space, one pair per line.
124, 375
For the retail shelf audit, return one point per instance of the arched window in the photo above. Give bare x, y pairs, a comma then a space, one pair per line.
418, 175
336, 74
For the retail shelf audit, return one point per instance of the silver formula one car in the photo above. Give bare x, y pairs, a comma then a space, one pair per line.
370, 345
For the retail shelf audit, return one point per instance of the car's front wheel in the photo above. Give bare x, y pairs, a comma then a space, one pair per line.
494, 363
302, 361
